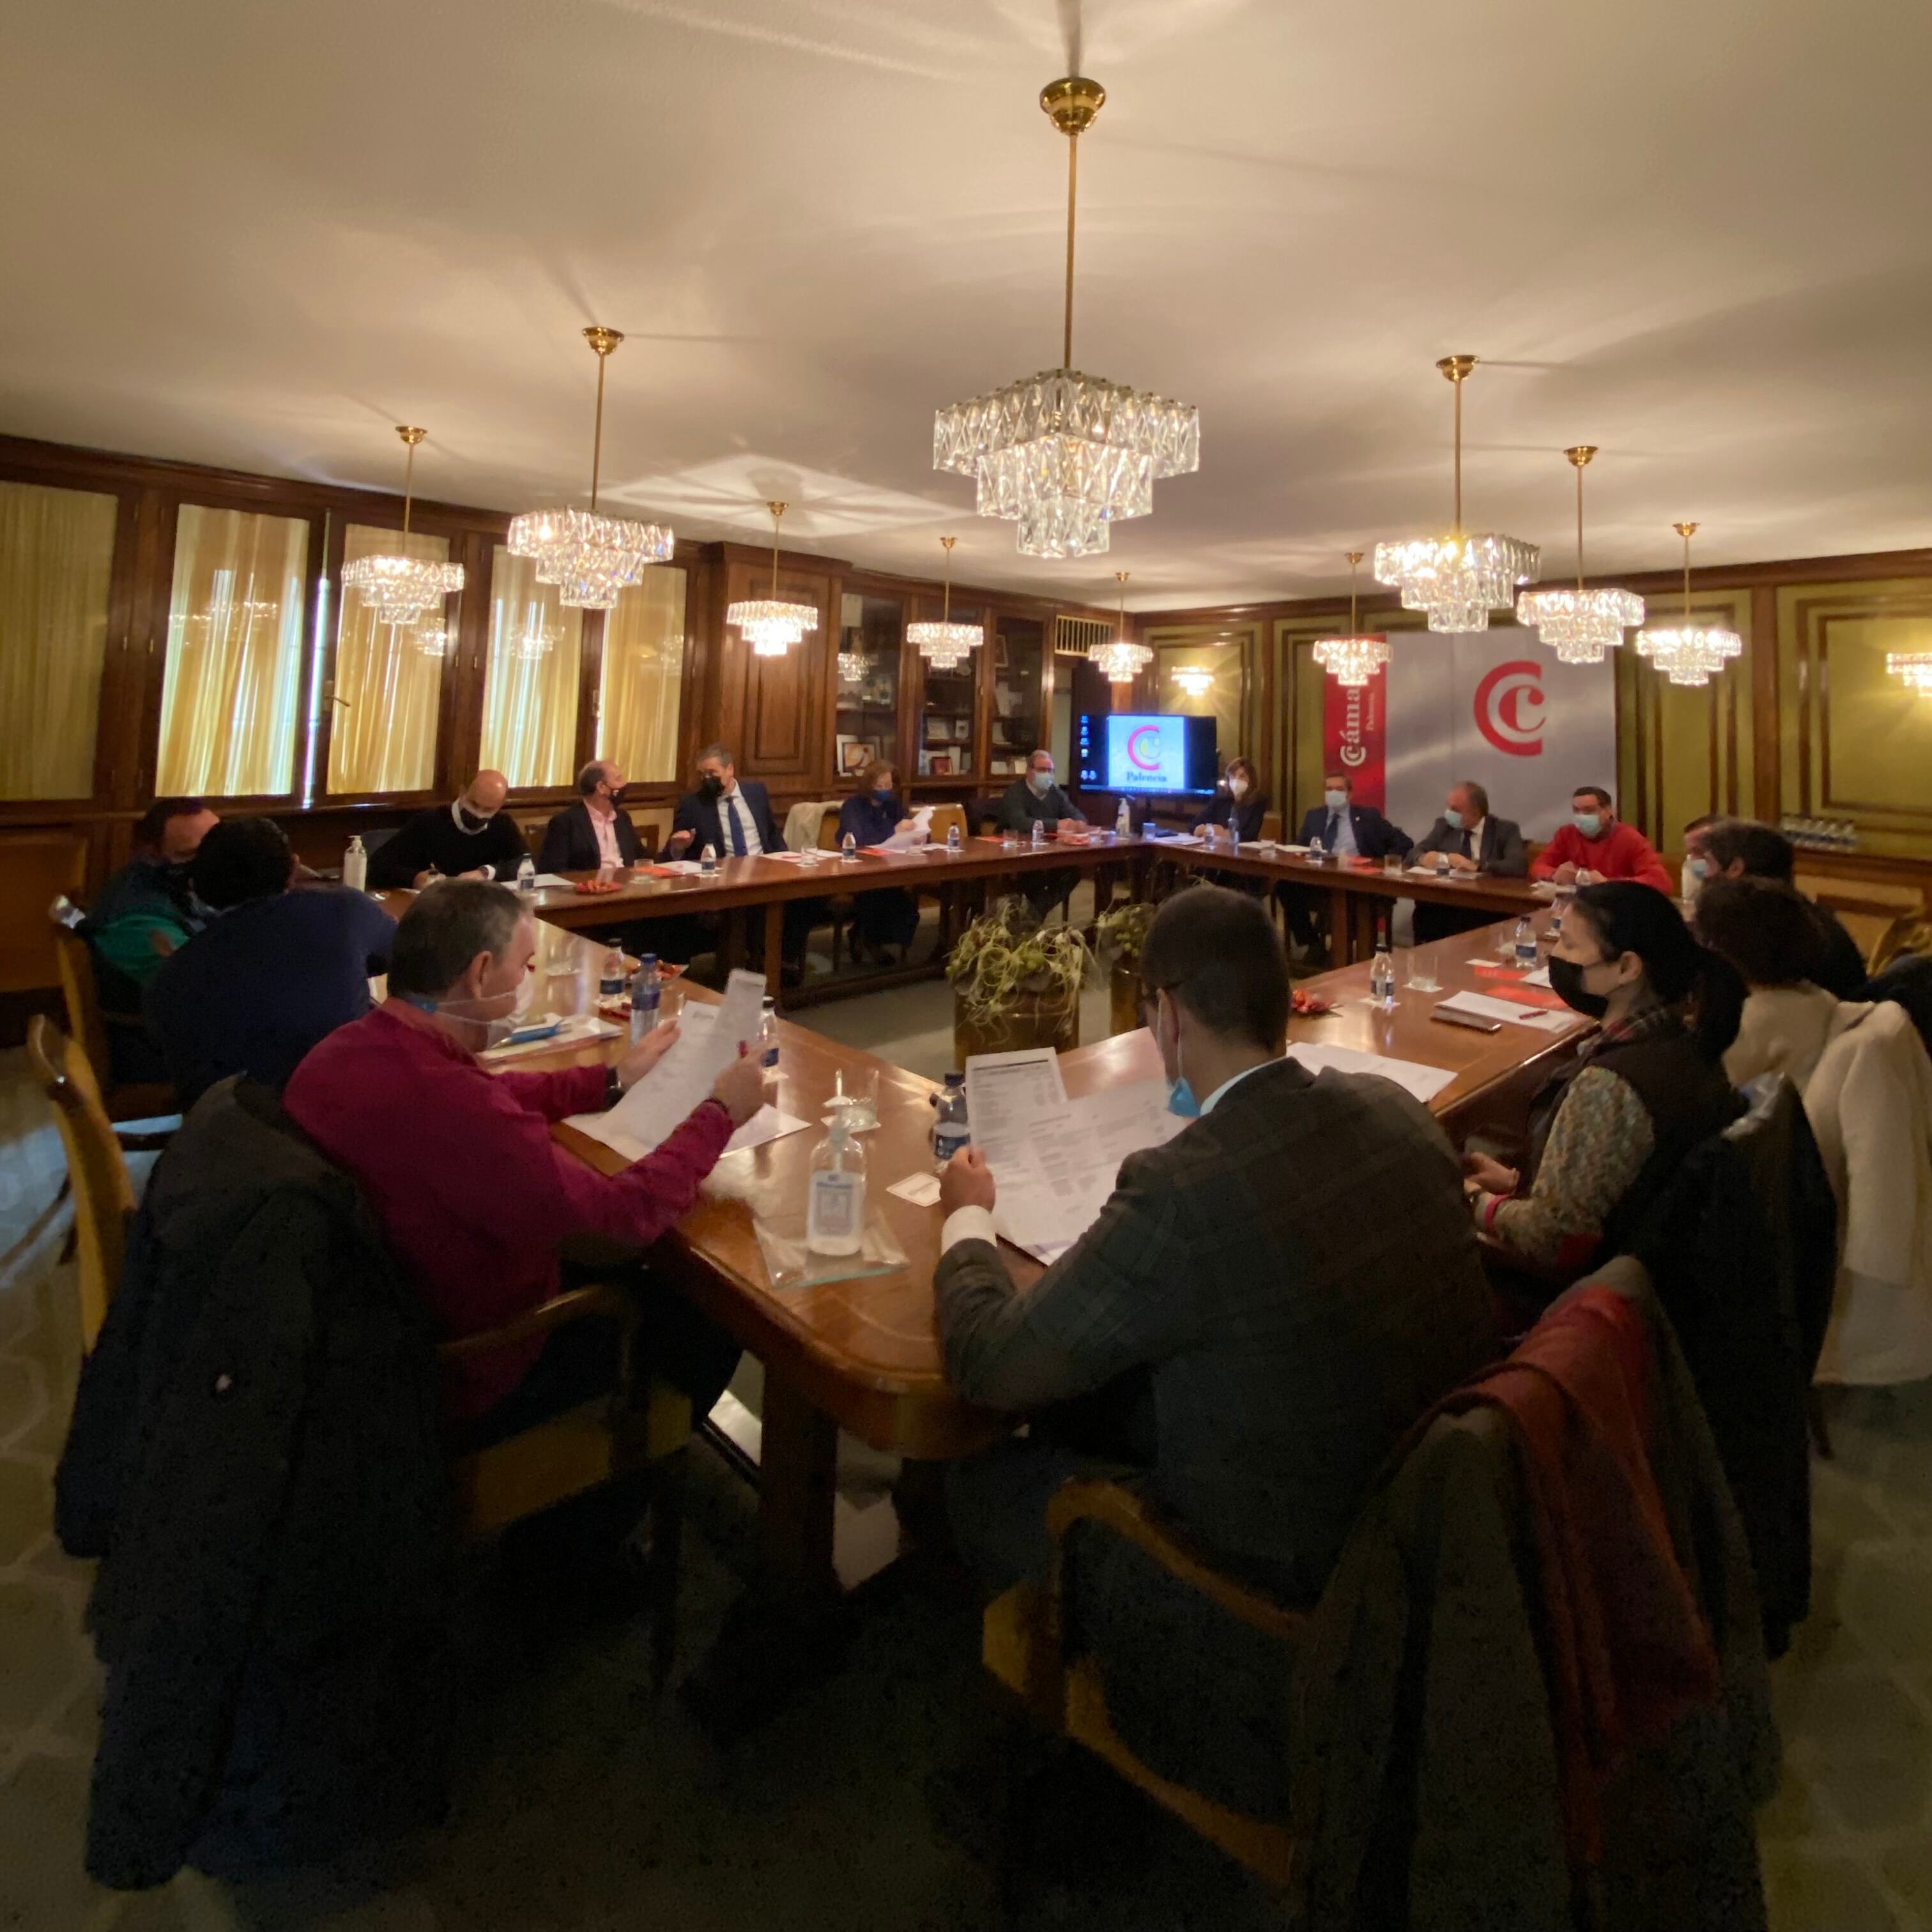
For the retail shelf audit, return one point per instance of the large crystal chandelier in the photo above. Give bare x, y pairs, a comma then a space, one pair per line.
1915, 667
1459, 579
769, 627
590, 558
944, 644
1062, 454
1355, 659
1688, 653
1579, 625
399, 589
1120, 660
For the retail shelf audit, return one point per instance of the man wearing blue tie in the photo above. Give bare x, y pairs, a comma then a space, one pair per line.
1351, 830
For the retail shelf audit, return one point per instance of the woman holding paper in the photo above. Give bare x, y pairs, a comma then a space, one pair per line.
873, 813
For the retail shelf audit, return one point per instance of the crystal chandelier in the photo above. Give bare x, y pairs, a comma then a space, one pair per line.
1459, 579
944, 644
1195, 681
1355, 659
769, 627
1914, 667
535, 640
1579, 625
1688, 653
851, 667
399, 589
1120, 660
590, 558
1062, 454
433, 640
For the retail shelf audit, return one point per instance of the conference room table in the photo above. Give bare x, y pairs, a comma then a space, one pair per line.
1360, 892
861, 1354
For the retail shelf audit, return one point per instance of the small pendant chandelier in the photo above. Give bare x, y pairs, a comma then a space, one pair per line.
399, 589
1459, 580
1355, 659
1120, 660
769, 627
1061, 454
1915, 667
1195, 681
943, 644
851, 667
1688, 653
535, 641
1579, 625
591, 559
433, 640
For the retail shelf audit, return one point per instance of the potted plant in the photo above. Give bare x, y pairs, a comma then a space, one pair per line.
1119, 934
1016, 983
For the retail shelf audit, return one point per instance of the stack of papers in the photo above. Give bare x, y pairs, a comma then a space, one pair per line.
708, 1042
1484, 1007
1424, 1082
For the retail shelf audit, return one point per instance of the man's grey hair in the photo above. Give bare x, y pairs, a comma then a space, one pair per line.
592, 776
722, 753
451, 922
1042, 752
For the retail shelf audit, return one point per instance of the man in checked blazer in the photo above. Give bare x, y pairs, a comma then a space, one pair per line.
1266, 1304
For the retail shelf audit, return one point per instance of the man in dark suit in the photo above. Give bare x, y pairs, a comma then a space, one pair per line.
1354, 831
594, 831
1034, 800
1471, 841
1232, 1326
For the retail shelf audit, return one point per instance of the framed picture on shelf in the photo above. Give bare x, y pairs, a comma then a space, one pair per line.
855, 755
939, 764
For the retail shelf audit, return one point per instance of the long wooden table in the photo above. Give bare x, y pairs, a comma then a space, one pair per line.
862, 1355
1360, 891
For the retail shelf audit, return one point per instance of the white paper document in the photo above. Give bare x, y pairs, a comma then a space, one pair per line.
1424, 1082
1487, 1006
685, 868
1540, 977
921, 1189
1180, 838
552, 882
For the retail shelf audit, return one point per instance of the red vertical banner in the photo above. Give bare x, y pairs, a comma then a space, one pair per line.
1355, 735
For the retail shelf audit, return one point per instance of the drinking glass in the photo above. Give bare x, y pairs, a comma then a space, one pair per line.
670, 1001
856, 1094
1422, 971
1392, 864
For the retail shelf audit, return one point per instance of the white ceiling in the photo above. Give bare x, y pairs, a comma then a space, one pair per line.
1700, 236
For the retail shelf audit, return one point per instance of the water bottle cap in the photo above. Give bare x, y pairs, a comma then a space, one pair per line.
955, 1080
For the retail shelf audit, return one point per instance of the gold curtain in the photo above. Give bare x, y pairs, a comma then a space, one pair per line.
56, 555
383, 738
234, 663
529, 705
643, 674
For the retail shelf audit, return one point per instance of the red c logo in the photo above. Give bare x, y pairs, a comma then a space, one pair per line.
1134, 758
1509, 708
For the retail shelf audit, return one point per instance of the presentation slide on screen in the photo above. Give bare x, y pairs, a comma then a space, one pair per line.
1136, 751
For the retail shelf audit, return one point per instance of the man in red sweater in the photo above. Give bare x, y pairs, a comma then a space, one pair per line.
1596, 844
477, 1200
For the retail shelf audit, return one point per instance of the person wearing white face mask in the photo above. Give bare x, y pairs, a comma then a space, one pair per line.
457, 1164
1037, 799
1230, 1325
1471, 839
1346, 830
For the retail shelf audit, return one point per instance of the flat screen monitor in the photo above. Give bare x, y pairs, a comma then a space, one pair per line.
1145, 753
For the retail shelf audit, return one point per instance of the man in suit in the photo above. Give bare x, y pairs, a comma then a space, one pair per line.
1036, 799
1351, 830
594, 831
1232, 1327
1471, 841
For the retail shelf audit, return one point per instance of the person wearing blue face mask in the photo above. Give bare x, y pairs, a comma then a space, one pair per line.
1596, 845
1471, 840
1231, 1327
1037, 799
1346, 830
888, 918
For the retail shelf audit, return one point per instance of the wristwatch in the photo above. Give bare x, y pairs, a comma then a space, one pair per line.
614, 1087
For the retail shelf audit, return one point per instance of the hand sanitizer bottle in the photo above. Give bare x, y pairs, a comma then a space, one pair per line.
834, 1220
355, 866
1124, 822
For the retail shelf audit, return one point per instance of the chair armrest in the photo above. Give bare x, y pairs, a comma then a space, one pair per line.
573, 1305
1129, 1517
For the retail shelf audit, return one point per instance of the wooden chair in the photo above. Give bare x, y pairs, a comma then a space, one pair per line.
1021, 1643
104, 1196
88, 1026
653, 827
570, 1453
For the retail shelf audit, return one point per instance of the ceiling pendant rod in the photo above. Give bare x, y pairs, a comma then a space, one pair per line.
1686, 532
777, 510
946, 605
411, 436
1072, 187
1354, 557
1579, 454
603, 340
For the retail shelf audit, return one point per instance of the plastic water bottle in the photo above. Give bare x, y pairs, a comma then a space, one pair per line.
1038, 833
950, 1131
707, 859
1124, 822
645, 995
952, 842
610, 981
848, 847
1314, 850
768, 1037
526, 876
1525, 943
1381, 972
355, 866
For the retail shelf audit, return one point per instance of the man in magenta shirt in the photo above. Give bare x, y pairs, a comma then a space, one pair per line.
458, 1166
1596, 844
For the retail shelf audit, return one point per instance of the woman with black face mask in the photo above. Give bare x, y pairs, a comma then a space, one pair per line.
1605, 1132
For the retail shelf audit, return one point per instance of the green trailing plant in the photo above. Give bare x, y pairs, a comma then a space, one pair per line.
1006, 955
1120, 931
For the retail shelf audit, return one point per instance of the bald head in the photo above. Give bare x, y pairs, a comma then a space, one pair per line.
483, 797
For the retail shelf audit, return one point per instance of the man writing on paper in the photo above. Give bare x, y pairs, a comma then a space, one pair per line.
472, 837
480, 1205
1234, 1328
1470, 841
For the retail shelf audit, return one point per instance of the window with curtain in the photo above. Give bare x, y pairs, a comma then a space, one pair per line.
643, 676
56, 557
232, 683
388, 687
530, 685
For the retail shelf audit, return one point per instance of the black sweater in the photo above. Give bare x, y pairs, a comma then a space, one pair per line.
432, 837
